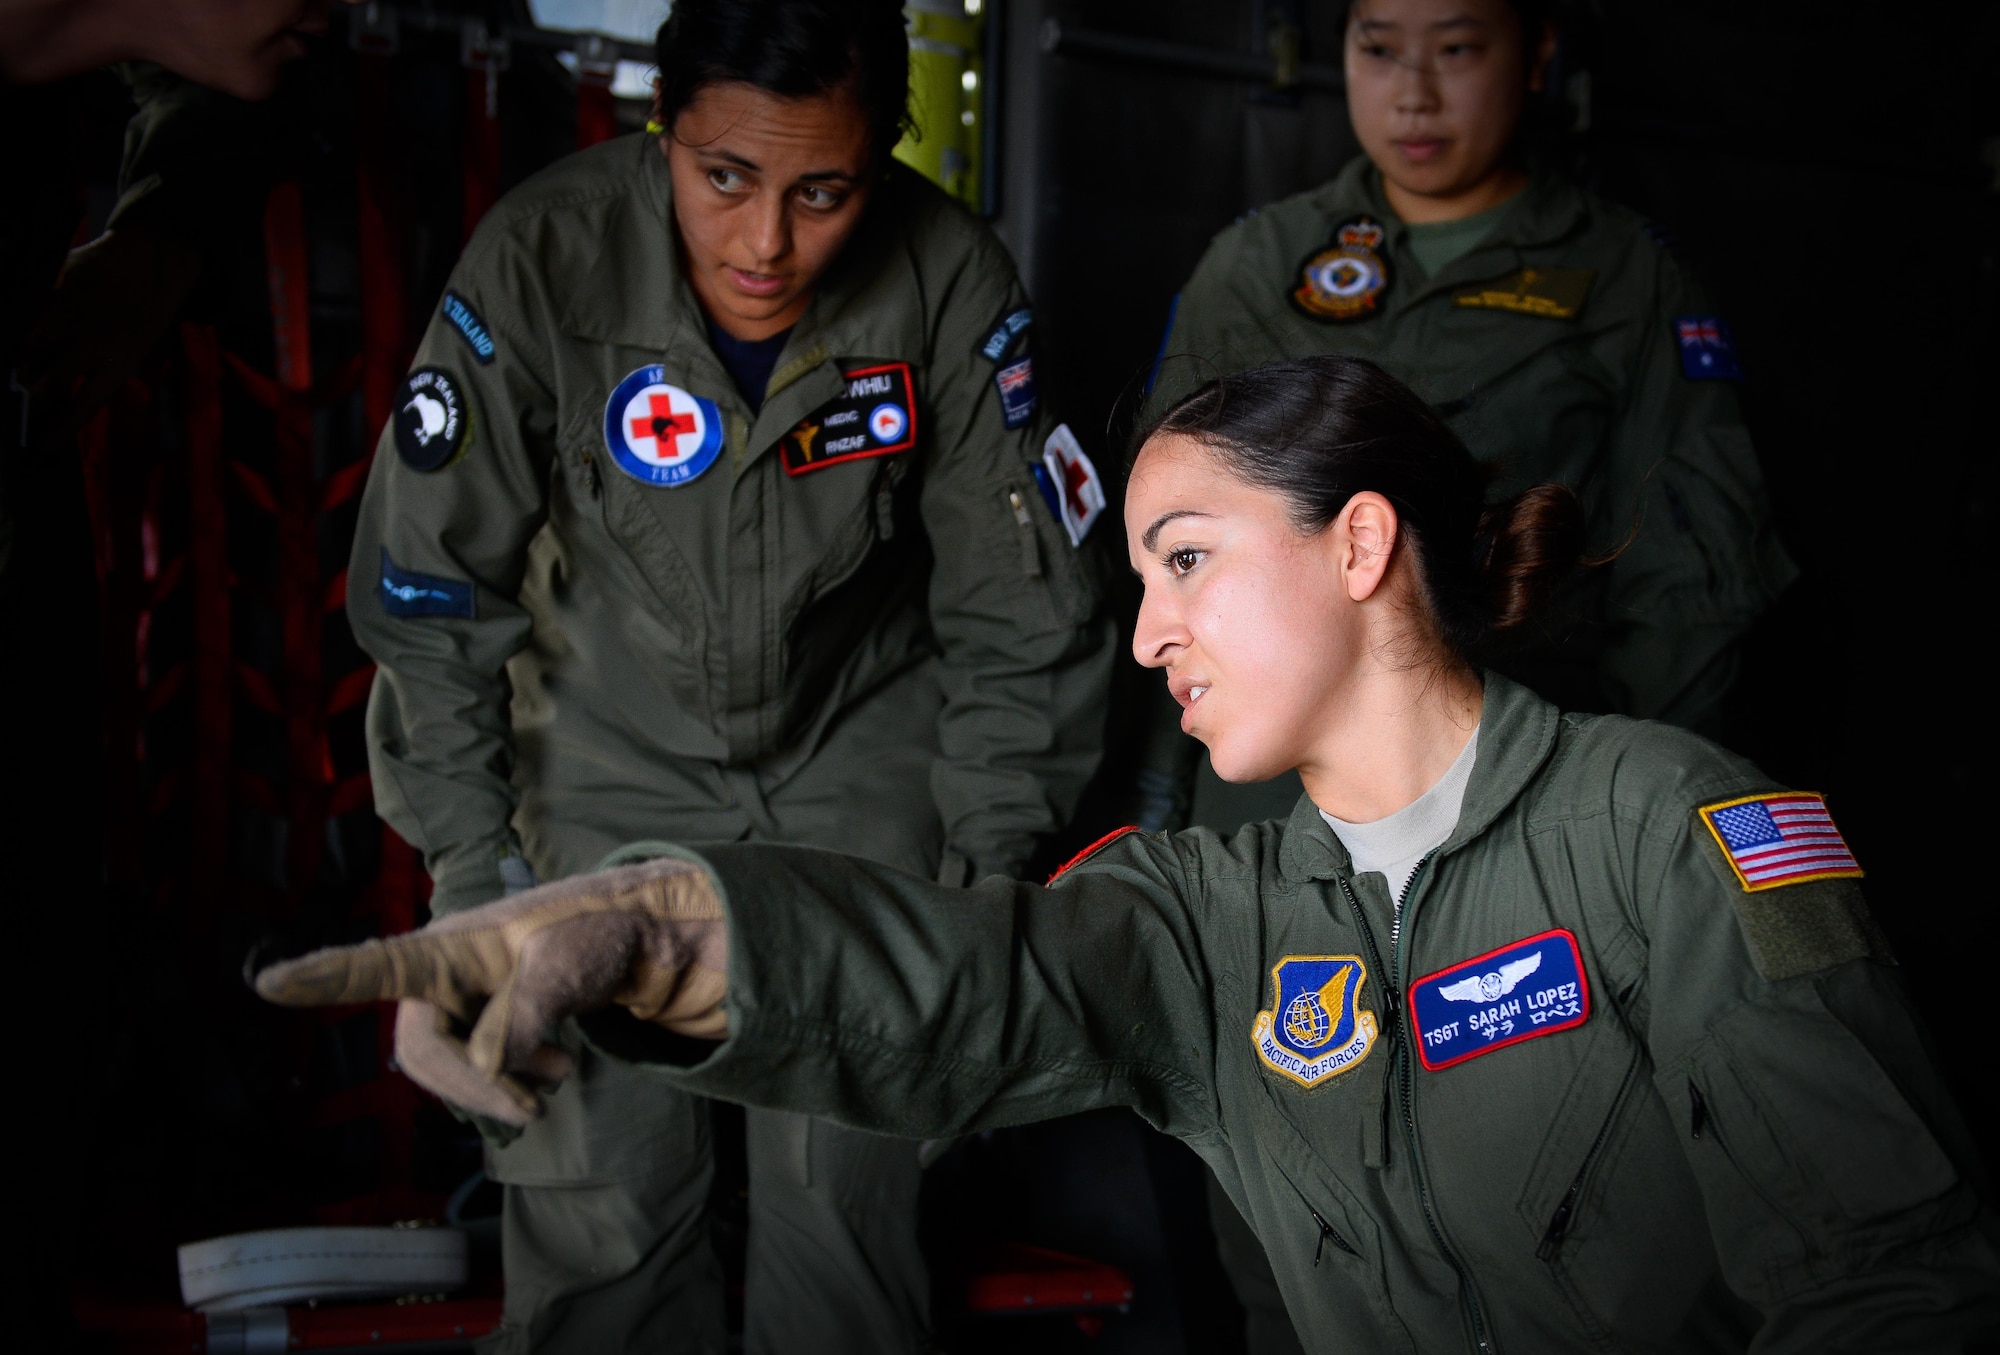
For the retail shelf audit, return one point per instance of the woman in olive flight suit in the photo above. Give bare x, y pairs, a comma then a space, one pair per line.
1559, 338
1526, 1032
719, 502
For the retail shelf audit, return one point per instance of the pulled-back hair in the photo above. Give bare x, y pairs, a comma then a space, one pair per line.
1320, 430
792, 48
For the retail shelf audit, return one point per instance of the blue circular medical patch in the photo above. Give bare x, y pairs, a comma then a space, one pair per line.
660, 434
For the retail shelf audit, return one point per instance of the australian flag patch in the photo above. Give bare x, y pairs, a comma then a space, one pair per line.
1522, 991
1708, 349
408, 593
1784, 839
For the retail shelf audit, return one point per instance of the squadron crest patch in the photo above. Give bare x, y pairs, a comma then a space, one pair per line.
875, 415
1345, 280
660, 434
1530, 988
430, 420
1316, 1027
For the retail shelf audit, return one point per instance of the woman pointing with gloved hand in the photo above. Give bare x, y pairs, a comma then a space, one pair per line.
1527, 1031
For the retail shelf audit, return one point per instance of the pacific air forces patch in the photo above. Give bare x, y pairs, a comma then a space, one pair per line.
875, 415
1316, 1026
1345, 280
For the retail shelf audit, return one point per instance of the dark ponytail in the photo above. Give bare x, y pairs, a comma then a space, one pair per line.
1320, 430
795, 49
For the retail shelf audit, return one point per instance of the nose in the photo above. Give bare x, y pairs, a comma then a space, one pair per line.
1415, 87
769, 233
1159, 633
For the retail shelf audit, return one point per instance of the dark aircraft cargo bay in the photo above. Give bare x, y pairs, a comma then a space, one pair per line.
1498, 493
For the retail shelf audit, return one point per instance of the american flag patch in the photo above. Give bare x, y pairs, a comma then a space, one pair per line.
1782, 839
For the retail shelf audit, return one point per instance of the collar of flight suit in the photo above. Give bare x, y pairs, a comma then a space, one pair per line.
1549, 209
1517, 733
637, 296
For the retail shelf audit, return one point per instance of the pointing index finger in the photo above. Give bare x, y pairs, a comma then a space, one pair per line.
373, 971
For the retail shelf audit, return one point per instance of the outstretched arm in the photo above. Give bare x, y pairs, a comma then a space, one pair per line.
852, 991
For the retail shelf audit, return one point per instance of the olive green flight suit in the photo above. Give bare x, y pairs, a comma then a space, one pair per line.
1720, 1131
900, 656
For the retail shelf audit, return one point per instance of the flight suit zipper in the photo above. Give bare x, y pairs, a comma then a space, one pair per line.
1326, 1234
1558, 1228
1399, 1071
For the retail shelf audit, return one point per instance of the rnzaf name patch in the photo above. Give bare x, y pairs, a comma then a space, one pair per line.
1521, 991
1784, 839
1316, 1027
875, 415
660, 434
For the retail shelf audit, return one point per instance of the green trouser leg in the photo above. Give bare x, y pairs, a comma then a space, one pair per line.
604, 1235
834, 1265
1267, 1326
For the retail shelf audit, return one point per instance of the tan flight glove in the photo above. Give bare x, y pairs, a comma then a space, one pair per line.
650, 938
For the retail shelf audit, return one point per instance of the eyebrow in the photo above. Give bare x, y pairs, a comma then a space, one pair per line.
1456, 21
817, 176
1152, 536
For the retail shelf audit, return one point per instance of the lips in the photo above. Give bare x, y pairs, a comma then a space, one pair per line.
1421, 150
1186, 690
755, 284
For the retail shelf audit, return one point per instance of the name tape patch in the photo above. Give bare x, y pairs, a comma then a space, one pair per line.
1523, 991
876, 415
1001, 341
1783, 839
1070, 484
1016, 384
1549, 293
458, 313
430, 421
1708, 349
408, 593
1316, 1027
658, 433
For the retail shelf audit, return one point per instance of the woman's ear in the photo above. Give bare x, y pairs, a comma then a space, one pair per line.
1541, 56
1366, 534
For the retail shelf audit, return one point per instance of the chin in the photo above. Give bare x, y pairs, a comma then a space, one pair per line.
1238, 765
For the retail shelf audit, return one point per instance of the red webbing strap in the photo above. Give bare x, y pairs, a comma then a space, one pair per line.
481, 152
298, 582
115, 448
596, 110
384, 352
214, 662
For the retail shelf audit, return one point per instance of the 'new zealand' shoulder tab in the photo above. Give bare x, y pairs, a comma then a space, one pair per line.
1070, 484
1550, 293
458, 313
875, 415
1092, 850
1006, 331
658, 433
408, 593
1781, 839
1708, 349
1531, 988
1316, 1026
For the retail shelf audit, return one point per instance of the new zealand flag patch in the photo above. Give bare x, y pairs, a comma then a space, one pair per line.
1531, 988
1016, 384
408, 593
1708, 349
875, 416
